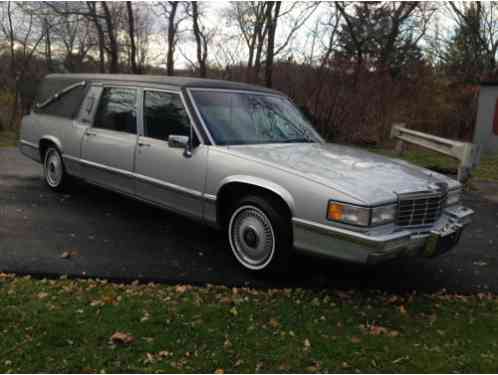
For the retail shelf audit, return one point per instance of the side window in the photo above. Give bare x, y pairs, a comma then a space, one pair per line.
87, 108
164, 115
116, 110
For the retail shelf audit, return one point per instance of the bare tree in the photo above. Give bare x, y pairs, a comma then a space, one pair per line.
378, 31
202, 37
172, 13
24, 37
480, 22
131, 34
258, 22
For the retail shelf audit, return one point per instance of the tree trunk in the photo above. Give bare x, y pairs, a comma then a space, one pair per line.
131, 31
12, 66
170, 56
100, 34
113, 45
201, 44
270, 50
48, 46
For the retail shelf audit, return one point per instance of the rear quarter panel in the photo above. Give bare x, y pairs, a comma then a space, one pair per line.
64, 133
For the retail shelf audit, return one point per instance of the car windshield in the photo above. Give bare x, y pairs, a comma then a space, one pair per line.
235, 118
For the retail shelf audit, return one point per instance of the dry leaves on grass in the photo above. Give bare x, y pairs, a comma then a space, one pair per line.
122, 338
307, 344
377, 330
182, 288
274, 323
42, 295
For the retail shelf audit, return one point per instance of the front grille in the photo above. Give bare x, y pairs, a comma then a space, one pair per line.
420, 209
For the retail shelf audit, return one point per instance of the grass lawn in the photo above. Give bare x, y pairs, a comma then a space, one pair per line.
68, 325
8, 139
487, 170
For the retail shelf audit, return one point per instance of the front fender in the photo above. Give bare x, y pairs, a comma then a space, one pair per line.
262, 183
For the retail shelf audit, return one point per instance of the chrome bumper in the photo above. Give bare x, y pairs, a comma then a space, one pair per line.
347, 245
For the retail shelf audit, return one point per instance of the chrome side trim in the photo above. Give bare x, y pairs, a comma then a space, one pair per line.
147, 201
99, 166
168, 185
72, 158
154, 181
30, 144
209, 197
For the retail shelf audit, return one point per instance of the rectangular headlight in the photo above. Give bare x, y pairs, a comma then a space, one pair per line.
453, 197
383, 214
362, 216
348, 214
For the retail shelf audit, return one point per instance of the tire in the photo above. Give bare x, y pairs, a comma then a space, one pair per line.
54, 171
260, 235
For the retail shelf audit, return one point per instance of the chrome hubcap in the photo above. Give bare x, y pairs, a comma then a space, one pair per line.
251, 237
53, 168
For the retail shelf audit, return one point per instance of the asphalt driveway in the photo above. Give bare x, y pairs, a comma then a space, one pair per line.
94, 233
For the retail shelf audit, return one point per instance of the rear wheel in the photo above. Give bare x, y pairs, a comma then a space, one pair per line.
53, 169
260, 236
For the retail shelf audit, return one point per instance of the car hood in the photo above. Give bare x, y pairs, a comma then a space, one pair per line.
368, 177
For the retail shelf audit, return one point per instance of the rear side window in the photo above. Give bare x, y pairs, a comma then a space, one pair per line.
60, 98
164, 115
116, 110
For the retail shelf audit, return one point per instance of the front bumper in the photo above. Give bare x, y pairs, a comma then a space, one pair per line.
347, 245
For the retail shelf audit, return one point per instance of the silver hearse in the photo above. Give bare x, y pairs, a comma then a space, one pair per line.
243, 159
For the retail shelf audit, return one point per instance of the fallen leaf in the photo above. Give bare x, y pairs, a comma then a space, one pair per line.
307, 344
402, 310
122, 338
219, 371
274, 323
355, 340
42, 295
181, 288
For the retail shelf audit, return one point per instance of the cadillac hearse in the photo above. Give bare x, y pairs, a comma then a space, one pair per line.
243, 159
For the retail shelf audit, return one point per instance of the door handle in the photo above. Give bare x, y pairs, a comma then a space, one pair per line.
143, 144
90, 134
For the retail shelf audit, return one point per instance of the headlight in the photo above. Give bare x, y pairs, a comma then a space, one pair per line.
453, 197
383, 214
362, 216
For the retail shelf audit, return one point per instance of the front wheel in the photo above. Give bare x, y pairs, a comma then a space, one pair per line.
53, 170
260, 236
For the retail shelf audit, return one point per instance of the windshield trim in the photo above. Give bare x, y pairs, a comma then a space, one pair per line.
235, 91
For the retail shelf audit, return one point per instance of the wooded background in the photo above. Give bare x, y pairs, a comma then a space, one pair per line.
353, 68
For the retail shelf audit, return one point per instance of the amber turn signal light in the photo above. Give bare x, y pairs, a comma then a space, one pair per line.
335, 211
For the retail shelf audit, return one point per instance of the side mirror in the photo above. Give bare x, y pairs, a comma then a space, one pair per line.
180, 141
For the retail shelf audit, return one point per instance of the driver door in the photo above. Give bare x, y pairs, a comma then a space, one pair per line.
168, 175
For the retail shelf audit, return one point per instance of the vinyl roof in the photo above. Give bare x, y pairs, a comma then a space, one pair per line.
165, 80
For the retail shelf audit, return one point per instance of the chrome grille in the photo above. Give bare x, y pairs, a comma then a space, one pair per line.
420, 209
